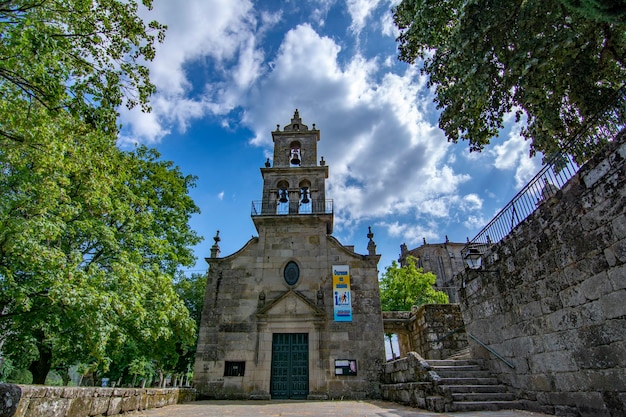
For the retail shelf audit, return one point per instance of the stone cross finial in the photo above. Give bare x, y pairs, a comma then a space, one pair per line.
215, 249
371, 246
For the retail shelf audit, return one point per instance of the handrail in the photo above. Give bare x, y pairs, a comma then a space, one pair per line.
450, 333
546, 184
496, 354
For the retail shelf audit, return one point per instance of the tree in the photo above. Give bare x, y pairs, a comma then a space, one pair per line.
83, 57
191, 290
609, 11
539, 59
403, 287
90, 238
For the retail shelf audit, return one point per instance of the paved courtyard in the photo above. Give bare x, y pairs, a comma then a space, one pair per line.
313, 409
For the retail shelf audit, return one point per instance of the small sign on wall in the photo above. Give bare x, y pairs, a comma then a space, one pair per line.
345, 367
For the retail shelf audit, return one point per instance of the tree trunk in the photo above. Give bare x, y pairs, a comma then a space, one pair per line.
40, 367
65, 375
389, 337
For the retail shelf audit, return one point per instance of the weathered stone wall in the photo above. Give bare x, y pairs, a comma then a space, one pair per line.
411, 381
557, 307
44, 401
247, 301
437, 331
434, 331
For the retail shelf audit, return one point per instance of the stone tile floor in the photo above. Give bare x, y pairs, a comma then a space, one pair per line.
312, 408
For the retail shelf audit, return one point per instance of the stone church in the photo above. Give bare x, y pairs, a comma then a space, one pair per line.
293, 314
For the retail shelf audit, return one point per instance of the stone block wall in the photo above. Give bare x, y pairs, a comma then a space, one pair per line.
410, 381
45, 401
556, 307
434, 331
437, 331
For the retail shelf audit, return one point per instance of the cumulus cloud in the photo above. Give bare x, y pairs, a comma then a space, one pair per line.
360, 10
512, 154
217, 35
385, 158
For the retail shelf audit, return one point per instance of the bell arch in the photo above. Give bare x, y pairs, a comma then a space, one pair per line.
305, 202
282, 197
295, 153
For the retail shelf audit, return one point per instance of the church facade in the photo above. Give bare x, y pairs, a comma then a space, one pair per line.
293, 314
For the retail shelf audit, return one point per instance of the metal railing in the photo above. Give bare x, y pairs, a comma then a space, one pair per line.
551, 178
474, 338
276, 208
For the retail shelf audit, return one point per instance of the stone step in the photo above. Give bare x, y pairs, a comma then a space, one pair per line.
465, 374
473, 388
483, 405
457, 368
452, 362
469, 372
482, 396
463, 354
468, 381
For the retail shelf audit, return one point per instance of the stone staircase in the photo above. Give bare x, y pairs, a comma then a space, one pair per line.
466, 386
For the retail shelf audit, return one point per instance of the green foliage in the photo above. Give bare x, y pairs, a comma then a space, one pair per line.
20, 376
403, 287
90, 236
538, 59
90, 239
609, 11
84, 57
191, 290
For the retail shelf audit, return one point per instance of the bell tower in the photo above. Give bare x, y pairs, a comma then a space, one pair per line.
295, 185
293, 314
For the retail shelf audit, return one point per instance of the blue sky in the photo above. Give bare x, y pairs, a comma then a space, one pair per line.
230, 71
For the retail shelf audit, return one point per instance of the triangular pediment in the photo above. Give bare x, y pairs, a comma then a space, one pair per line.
291, 305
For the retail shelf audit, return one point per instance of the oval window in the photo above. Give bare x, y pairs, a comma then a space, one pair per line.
292, 273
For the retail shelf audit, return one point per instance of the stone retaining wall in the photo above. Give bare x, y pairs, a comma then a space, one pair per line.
438, 331
411, 381
556, 308
434, 331
44, 401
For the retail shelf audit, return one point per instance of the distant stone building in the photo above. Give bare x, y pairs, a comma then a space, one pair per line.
293, 313
442, 259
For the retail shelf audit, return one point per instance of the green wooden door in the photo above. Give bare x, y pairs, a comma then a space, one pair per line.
290, 366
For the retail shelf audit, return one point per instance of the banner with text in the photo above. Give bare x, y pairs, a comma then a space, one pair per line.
341, 293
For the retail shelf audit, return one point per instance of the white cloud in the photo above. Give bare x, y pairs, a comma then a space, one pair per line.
220, 34
411, 234
384, 157
360, 10
388, 28
220, 195
513, 154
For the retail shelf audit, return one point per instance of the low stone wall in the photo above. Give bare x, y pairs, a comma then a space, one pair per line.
438, 331
434, 331
556, 309
44, 401
411, 381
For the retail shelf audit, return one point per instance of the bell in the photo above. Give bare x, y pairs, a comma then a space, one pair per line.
295, 159
283, 196
305, 196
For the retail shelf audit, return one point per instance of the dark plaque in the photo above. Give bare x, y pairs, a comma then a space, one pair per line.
292, 273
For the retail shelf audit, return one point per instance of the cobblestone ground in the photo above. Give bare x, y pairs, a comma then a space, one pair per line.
312, 408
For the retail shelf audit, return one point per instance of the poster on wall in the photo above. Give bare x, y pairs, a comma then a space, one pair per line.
342, 300
345, 366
